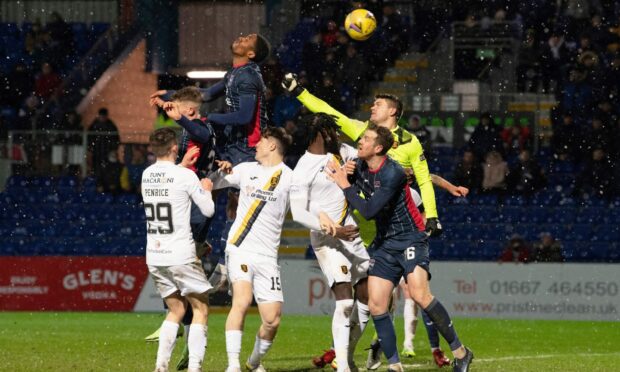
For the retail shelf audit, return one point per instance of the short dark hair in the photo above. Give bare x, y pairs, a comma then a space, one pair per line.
262, 48
191, 94
103, 111
162, 140
385, 138
394, 102
279, 134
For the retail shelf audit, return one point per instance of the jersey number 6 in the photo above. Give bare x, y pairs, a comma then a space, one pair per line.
410, 253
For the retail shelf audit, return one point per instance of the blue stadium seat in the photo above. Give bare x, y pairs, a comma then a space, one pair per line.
591, 215
580, 232
563, 215
128, 199
607, 233
535, 215
515, 200
490, 249
511, 214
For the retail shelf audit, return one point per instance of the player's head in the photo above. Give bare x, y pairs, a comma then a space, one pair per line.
253, 46
273, 142
163, 142
321, 127
376, 141
189, 100
386, 110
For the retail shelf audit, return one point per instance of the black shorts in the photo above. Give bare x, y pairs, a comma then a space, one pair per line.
392, 266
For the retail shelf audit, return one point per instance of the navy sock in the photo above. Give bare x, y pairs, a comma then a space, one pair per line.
387, 336
443, 323
433, 335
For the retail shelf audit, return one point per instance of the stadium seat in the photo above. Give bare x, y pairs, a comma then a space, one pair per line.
563, 215
490, 249
511, 214
580, 232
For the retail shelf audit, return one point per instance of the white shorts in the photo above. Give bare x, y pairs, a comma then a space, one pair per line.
188, 278
263, 272
341, 262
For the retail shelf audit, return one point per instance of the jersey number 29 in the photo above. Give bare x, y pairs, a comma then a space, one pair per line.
158, 212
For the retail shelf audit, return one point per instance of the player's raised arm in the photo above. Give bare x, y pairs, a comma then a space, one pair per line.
449, 186
224, 178
351, 127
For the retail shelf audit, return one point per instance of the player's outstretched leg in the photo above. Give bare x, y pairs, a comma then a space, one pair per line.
270, 315
242, 299
380, 291
197, 334
168, 330
420, 291
433, 339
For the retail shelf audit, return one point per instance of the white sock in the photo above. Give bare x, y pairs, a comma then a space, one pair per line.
359, 320
409, 316
261, 347
196, 342
167, 339
186, 329
340, 332
233, 348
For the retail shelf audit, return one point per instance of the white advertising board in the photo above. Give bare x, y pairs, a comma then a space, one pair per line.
485, 290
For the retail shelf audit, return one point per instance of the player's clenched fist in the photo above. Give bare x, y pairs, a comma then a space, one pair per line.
172, 110
291, 84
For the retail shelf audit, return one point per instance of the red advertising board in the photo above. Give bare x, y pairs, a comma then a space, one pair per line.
71, 283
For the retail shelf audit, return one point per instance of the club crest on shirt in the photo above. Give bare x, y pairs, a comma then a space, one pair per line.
244, 268
395, 145
345, 270
377, 183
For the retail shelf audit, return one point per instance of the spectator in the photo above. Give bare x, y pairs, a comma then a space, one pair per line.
353, 71
597, 178
36, 41
526, 177
517, 250
102, 140
528, 64
566, 137
109, 179
598, 34
468, 172
329, 36
61, 38
135, 162
424, 135
547, 249
46, 82
396, 32
494, 170
553, 60
516, 139
486, 137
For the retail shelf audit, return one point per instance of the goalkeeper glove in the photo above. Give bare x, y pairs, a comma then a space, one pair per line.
291, 84
433, 227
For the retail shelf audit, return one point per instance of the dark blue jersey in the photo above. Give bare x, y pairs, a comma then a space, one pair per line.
245, 98
198, 133
387, 200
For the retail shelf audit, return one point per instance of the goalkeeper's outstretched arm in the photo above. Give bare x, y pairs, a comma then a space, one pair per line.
351, 127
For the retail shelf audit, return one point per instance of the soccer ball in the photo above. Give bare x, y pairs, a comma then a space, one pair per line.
360, 24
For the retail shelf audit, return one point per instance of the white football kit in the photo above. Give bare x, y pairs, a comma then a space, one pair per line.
313, 191
167, 191
254, 238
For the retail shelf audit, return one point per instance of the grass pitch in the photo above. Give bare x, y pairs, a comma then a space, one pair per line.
114, 342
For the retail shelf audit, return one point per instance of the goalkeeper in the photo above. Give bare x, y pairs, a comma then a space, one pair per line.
407, 150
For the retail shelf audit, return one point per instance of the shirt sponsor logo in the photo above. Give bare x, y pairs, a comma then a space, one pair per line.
244, 268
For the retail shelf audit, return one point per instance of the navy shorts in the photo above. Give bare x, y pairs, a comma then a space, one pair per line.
392, 265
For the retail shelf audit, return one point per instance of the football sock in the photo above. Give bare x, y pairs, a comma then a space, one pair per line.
443, 323
387, 336
261, 347
358, 321
233, 347
196, 342
340, 331
167, 339
410, 321
431, 330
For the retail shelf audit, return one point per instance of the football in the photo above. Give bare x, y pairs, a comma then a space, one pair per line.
360, 24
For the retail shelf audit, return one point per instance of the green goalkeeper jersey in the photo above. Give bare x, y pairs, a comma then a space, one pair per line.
407, 150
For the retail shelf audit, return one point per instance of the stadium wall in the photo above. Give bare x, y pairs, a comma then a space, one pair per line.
479, 290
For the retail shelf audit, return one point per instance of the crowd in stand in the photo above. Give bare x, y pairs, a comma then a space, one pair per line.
546, 250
